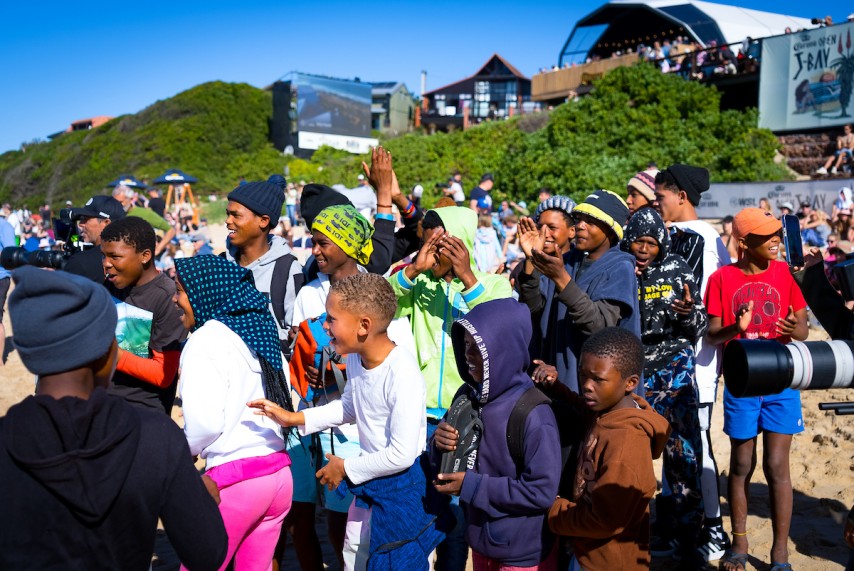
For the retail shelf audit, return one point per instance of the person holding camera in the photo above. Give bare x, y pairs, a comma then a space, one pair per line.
98, 212
756, 298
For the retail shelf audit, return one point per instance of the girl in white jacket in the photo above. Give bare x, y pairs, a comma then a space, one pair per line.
232, 357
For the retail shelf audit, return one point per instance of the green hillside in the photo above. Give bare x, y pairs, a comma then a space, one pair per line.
215, 131
219, 132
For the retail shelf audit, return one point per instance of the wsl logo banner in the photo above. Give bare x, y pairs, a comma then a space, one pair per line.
806, 79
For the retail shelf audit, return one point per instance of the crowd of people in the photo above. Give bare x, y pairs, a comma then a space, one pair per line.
475, 378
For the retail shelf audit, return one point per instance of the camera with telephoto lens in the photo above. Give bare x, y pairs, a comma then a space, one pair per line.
64, 229
759, 367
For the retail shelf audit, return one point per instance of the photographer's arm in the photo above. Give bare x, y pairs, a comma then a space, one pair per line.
827, 305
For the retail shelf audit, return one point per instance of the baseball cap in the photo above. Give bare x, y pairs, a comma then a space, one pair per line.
754, 221
100, 206
360, 177
788, 205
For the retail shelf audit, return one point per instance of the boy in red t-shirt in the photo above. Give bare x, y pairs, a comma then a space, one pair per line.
757, 298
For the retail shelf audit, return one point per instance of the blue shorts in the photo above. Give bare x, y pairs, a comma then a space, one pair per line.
746, 417
304, 468
848, 152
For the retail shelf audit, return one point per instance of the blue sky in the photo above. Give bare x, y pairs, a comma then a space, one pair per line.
62, 61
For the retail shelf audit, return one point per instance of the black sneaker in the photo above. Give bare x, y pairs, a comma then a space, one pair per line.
713, 544
663, 547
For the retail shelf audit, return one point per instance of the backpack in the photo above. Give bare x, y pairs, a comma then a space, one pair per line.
311, 348
569, 427
278, 292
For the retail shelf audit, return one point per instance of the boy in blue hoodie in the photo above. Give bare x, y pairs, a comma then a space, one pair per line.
505, 502
574, 293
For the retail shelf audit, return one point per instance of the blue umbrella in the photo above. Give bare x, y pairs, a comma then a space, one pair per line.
128, 180
175, 176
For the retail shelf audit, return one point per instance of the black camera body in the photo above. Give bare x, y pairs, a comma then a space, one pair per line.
64, 230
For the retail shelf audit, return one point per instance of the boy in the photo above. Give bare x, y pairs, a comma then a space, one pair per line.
86, 476
128, 246
608, 515
757, 298
640, 190
505, 499
576, 293
384, 397
252, 213
677, 193
341, 239
671, 324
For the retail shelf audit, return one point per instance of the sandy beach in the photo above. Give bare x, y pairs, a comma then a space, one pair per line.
822, 466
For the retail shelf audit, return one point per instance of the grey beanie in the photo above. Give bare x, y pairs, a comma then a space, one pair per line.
558, 202
60, 321
262, 198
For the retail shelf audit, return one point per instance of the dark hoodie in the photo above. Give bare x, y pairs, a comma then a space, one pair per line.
663, 331
85, 481
600, 294
505, 509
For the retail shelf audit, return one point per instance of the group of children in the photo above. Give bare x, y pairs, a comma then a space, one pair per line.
613, 307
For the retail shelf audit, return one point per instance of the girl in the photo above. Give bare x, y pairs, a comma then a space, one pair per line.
233, 357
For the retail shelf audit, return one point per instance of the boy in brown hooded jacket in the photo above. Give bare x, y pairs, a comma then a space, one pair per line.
608, 516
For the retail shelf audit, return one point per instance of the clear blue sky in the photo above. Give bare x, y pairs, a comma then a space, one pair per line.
62, 61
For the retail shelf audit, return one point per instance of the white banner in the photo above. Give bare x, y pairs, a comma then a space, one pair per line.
727, 199
806, 79
314, 141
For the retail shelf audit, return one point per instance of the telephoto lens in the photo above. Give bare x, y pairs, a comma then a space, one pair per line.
758, 367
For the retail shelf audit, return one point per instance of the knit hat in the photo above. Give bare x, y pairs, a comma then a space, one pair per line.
607, 207
316, 197
693, 180
754, 221
563, 203
60, 321
644, 183
262, 198
348, 229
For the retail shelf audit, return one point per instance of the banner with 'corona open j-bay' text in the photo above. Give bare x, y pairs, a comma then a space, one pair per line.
806, 79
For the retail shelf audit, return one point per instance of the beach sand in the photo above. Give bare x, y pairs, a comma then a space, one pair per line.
822, 467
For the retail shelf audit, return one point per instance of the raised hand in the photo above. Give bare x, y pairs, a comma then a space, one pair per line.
814, 257
685, 305
380, 174
551, 266
744, 316
426, 255
529, 237
455, 250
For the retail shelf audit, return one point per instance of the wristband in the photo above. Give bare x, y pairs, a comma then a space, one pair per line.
409, 211
384, 216
383, 205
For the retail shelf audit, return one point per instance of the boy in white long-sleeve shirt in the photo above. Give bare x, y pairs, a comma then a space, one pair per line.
385, 397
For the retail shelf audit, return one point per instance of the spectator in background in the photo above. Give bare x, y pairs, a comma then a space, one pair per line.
814, 225
127, 197
291, 201
765, 205
544, 194
455, 184
787, 208
480, 200
156, 202
362, 197
457, 195
7, 240
641, 190
728, 239
91, 219
845, 200
416, 194
487, 249
201, 246
844, 148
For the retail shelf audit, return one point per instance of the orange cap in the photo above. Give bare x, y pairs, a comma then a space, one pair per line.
754, 221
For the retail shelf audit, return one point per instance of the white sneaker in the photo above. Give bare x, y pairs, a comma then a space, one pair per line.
822, 170
833, 170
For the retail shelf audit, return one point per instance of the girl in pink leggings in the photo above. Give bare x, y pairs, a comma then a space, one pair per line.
233, 357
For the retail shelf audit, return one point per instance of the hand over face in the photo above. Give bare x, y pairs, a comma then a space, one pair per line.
455, 250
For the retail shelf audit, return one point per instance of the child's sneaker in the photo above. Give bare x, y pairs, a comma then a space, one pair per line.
714, 544
663, 547
822, 170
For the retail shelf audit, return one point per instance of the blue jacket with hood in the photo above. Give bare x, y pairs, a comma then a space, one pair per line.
505, 508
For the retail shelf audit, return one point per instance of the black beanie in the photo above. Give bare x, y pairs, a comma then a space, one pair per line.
262, 198
693, 180
316, 197
60, 321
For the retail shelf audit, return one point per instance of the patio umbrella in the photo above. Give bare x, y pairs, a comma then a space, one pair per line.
128, 180
175, 176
